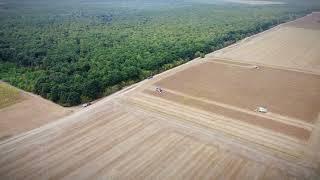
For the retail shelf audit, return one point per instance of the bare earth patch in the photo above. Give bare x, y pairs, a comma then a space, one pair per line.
294, 45
266, 123
115, 140
311, 21
287, 93
26, 112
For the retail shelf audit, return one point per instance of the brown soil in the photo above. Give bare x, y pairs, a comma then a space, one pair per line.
28, 114
265, 123
283, 92
311, 21
112, 142
294, 45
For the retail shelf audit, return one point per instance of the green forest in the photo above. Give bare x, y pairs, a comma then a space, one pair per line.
76, 51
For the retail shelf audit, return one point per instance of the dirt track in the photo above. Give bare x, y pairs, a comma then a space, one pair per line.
137, 135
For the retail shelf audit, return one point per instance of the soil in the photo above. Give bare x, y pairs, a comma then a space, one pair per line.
311, 21
293, 46
266, 123
288, 93
32, 112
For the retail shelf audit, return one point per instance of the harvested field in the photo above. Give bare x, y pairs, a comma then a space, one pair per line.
202, 126
283, 92
293, 45
262, 122
311, 21
26, 112
269, 142
121, 144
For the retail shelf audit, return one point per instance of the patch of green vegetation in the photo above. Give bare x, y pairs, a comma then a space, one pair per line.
76, 51
8, 95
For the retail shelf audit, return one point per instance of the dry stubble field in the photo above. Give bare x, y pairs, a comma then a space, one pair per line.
203, 126
294, 45
21, 111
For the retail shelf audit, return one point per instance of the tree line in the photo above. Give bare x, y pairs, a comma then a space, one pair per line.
78, 55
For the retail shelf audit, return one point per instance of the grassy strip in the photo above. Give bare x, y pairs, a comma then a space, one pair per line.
9, 95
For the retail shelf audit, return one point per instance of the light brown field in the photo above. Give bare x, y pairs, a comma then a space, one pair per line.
287, 93
292, 46
115, 139
262, 122
26, 112
311, 21
203, 126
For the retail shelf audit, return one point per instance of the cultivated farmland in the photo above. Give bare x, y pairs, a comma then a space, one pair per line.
288, 93
21, 111
293, 45
201, 122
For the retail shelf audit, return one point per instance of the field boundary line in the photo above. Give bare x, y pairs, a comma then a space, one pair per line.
217, 58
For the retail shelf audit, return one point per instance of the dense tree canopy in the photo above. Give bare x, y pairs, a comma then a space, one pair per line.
74, 53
